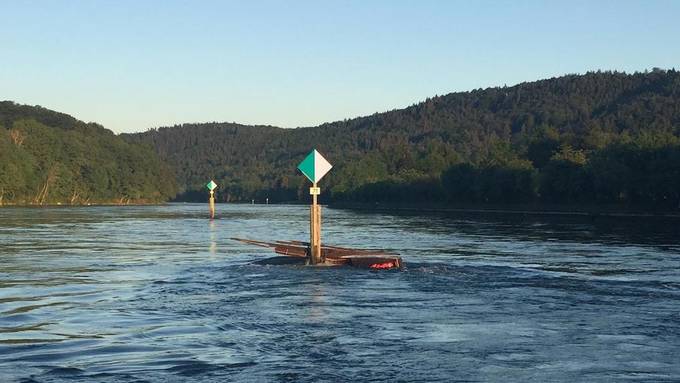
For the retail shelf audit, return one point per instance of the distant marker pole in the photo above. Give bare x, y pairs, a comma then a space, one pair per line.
212, 204
211, 186
314, 167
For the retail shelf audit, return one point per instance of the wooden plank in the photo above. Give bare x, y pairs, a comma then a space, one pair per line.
292, 251
333, 255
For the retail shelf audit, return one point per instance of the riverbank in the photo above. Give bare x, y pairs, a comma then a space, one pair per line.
529, 209
141, 202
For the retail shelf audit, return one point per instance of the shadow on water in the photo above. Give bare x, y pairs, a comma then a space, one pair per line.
642, 230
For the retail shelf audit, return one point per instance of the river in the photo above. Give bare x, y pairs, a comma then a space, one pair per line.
161, 294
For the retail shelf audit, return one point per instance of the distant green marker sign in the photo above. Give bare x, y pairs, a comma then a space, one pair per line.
211, 185
314, 166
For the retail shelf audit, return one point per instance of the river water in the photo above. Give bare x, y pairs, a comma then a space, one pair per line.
161, 294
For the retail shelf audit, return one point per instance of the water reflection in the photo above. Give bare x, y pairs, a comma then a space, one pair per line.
213, 238
317, 312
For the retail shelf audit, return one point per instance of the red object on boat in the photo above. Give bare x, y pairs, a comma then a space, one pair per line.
384, 265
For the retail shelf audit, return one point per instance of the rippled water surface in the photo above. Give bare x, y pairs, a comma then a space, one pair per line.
161, 294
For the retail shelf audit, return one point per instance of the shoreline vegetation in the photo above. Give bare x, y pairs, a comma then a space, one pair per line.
118, 202
48, 158
597, 142
601, 138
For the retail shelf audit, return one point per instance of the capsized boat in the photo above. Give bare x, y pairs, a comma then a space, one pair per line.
333, 255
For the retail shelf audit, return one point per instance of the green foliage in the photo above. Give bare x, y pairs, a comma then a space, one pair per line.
514, 182
599, 138
602, 137
635, 173
73, 162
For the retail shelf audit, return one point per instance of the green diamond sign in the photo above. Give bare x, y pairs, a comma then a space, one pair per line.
211, 185
314, 166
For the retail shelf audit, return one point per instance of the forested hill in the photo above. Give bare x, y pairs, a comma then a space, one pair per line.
602, 137
48, 157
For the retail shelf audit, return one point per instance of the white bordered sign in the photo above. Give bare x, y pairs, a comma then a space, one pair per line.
314, 166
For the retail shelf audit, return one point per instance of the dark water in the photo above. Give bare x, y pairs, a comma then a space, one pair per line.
160, 294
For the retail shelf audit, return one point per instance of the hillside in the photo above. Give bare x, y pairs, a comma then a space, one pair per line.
602, 137
48, 157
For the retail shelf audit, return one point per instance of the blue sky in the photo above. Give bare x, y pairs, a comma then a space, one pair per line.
134, 65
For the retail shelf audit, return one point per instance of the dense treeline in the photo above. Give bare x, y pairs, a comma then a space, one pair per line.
598, 138
51, 158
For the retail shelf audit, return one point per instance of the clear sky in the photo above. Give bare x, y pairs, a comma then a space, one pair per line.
133, 65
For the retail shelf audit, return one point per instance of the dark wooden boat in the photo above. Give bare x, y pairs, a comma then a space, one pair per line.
333, 255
